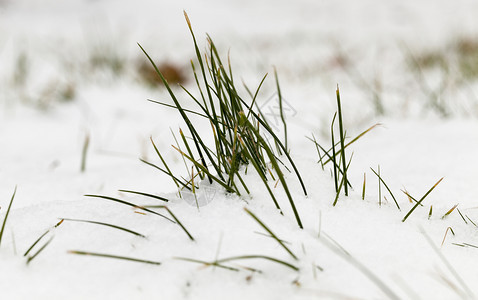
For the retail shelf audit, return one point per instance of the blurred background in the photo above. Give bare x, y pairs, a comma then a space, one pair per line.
386, 53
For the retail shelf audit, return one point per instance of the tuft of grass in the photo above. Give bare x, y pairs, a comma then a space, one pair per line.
6, 215
114, 257
237, 130
337, 156
421, 200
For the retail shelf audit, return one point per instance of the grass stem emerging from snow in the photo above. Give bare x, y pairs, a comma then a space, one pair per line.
6, 215
114, 256
421, 200
271, 233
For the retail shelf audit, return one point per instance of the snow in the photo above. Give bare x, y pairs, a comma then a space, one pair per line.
42, 135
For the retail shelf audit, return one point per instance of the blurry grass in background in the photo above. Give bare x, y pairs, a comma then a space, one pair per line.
439, 80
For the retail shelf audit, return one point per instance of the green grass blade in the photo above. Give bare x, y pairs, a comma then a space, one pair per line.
179, 147
163, 161
206, 263
421, 200
186, 119
353, 140
449, 211
39, 251
471, 221
175, 179
172, 106
337, 194
279, 94
275, 166
261, 175
106, 224
145, 194
271, 233
6, 215
334, 160
386, 186
326, 153
341, 185
36, 242
363, 187
276, 139
461, 215
470, 245
185, 142
41, 237
410, 197
234, 258
205, 170
269, 236
208, 90
129, 204
114, 257
318, 152
342, 141
255, 95
178, 222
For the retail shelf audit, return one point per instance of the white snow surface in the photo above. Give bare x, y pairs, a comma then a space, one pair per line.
40, 153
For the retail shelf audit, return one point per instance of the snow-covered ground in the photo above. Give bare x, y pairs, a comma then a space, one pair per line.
60, 82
